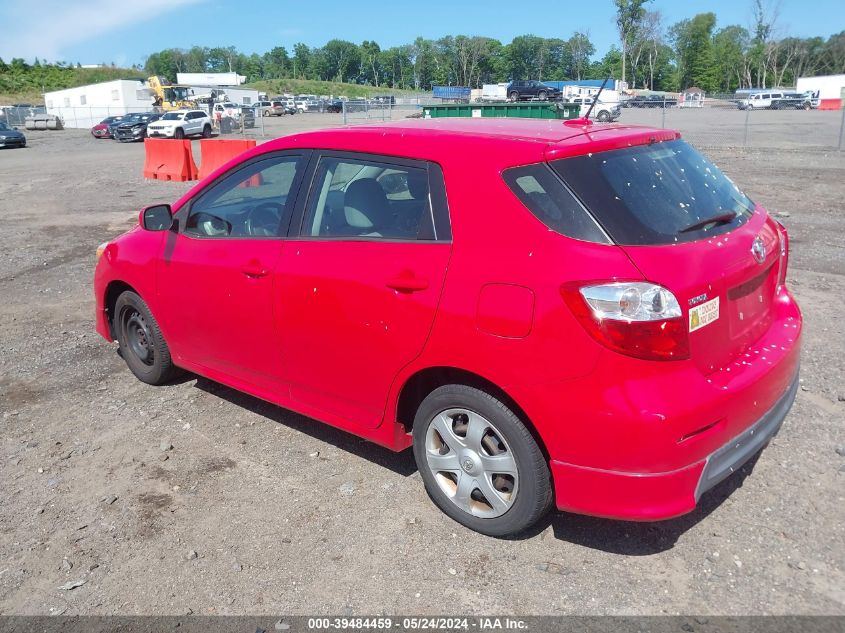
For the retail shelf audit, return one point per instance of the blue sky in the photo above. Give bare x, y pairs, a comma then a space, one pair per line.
94, 31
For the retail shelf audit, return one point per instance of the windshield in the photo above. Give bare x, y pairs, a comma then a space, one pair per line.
656, 194
4, 127
173, 116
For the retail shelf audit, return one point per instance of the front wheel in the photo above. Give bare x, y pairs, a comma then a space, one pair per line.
179, 133
603, 116
479, 462
513, 96
141, 342
543, 95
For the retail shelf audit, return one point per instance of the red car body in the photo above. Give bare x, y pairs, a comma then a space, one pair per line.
346, 331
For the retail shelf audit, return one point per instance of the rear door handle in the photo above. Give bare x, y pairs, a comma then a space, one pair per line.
407, 284
254, 271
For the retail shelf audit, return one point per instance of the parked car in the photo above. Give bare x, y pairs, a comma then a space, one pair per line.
11, 137
531, 89
246, 116
335, 106
263, 108
613, 335
759, 100
133, 127
181, 123
103, 128
651, 101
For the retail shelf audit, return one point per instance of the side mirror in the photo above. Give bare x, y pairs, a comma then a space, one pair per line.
158, 217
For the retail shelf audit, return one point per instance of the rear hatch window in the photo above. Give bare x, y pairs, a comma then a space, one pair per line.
662, 193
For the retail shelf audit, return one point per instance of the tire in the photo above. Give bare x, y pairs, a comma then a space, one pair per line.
142, 345
206, 131
543, 95
750, 106
513, 96
179, 133
526, 494
603, 116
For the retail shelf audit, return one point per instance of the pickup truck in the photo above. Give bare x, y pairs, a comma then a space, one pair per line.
650, 101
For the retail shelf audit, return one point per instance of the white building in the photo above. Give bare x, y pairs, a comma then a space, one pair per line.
210, 79
831, 89
85, 106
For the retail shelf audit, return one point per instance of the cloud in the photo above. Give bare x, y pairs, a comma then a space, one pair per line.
58, 25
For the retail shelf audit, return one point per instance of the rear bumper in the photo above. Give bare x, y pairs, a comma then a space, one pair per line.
658, 496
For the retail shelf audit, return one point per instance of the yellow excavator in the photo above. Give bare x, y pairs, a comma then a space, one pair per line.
168, 96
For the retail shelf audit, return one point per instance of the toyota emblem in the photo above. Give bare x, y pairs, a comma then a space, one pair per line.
468, 465
758, 249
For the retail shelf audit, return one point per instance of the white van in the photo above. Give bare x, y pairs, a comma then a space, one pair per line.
758, 100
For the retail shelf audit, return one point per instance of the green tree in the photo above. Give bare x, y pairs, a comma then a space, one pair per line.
580, 51
694, 51
629, 15
729, 54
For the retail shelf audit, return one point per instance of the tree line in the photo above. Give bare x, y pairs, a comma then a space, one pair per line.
651, 54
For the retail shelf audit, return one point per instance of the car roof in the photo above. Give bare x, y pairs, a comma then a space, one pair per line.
500, 141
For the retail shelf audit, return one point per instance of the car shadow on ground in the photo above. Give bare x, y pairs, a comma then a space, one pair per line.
617, 537
400, 463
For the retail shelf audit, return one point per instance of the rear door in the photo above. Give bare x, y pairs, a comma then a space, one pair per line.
655, 202
360, 281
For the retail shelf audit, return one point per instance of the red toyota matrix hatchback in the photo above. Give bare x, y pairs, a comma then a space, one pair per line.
548, 312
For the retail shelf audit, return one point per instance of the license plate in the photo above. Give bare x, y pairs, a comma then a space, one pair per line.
703, 314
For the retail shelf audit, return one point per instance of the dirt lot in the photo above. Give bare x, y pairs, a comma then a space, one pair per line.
257, 510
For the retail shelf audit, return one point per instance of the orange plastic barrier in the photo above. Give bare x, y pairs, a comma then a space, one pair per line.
169, 159
830, 104
216, 152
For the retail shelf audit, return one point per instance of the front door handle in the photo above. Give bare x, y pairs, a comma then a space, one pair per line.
407, 284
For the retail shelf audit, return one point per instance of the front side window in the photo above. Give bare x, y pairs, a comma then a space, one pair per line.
661, 193
249, 203
354, 198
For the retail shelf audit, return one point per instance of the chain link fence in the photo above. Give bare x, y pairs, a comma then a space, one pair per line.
705, 121
719, 122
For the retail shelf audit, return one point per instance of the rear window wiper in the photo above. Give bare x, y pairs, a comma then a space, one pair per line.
722, 218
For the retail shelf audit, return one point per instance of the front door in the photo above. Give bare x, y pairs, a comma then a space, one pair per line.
358, 286
216, 276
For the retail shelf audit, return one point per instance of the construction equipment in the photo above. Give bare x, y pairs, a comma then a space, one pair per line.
170, 96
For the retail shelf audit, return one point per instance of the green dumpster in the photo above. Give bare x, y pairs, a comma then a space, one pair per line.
525, 110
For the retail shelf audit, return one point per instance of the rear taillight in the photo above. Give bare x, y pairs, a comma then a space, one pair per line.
783, 236
635, 318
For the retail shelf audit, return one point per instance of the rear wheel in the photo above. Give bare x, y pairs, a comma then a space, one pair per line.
179, 133
141, 342
479, 462
513, 96
206, 131
603, 116
543, 95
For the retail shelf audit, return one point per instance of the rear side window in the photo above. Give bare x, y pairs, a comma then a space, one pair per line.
552, 203
661, 193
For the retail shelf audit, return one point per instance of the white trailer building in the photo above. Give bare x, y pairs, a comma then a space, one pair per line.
85, 106
210, 79
830, 89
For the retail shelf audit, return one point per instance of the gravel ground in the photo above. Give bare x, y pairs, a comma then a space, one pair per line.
193, 498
